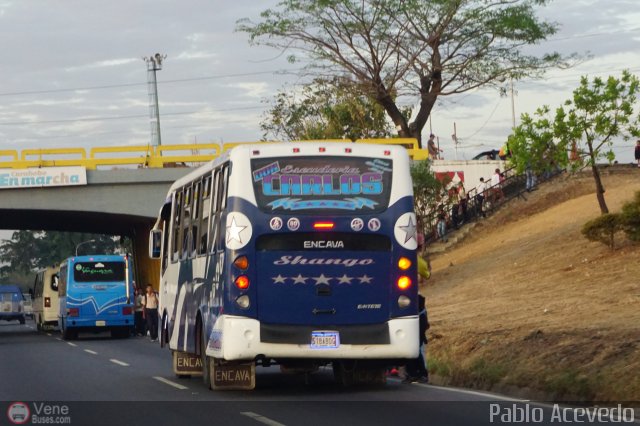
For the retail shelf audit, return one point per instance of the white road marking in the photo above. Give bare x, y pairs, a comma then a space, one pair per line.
115, 361
49, 334
71, 344
493, 396
91, 352
170, 383
57, 338
261, 419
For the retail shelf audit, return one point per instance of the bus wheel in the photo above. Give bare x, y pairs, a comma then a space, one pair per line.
69, 334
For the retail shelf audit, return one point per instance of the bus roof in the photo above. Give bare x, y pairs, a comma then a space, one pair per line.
9, 288
305, 148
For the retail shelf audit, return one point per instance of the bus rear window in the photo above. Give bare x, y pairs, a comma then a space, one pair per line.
331, 185
98, 272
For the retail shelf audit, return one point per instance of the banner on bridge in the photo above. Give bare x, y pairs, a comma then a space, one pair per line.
42, 177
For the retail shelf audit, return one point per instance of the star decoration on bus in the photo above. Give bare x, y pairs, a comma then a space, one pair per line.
409, 229
344, 279
234, 230
365, 279
299, 279
279, 279
322, 279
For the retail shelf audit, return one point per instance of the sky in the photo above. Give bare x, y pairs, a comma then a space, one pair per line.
73, 73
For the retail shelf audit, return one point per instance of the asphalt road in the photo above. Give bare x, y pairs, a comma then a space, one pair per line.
130, 381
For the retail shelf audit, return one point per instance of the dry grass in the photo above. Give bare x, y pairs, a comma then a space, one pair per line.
527, 301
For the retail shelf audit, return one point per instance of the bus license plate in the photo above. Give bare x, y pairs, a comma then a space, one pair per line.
101, 323
325, 339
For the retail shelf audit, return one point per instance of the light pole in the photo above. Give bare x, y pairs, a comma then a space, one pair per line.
154, 64
84, 242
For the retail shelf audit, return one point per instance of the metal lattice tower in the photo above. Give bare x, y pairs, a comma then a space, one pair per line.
154, 64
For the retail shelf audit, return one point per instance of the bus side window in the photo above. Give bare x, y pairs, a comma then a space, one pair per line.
62, 284
175, 226
204, 216
215, 212
55, 281
185, 221
195, 218
225, 186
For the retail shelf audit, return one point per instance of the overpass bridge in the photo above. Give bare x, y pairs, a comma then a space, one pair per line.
105, 190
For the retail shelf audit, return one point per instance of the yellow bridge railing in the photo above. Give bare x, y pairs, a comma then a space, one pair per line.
150, 156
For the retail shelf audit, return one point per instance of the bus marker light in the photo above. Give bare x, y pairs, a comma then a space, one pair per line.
241, 263
404, 282
242, 282
47, 302
404, 301
387, 152
126, 310
255, 152
404, 263
323, 225
73, 312
243, 301
348, 150
322, 149
296, 150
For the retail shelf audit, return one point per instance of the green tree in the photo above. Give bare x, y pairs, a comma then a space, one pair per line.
415, 48
27, 251
426, 192
599, 113
324, 109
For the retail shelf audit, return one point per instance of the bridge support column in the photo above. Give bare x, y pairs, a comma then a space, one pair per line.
147, 270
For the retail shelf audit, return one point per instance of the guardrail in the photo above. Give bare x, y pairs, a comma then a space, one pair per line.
151, 156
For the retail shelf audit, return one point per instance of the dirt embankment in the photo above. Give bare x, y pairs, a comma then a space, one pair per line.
527, 301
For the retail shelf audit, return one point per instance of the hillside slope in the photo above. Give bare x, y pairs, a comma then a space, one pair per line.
527, 301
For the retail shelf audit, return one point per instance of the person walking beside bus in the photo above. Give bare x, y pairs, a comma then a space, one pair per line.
417, 370
150, 303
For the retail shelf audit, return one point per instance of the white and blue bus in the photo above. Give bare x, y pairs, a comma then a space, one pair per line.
298, 254
96, 294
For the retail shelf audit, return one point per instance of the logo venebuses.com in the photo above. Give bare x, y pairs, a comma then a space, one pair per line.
19, 413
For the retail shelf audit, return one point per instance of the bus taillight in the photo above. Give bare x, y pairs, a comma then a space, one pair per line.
127, 310
404, 282
242, 282
47, 302
241, 263
73, 312
323, 225
404, 263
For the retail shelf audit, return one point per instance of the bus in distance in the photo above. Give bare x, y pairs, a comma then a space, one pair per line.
96, 294
297, 254
46, 304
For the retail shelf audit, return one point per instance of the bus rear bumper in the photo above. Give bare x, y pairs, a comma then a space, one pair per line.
238, 338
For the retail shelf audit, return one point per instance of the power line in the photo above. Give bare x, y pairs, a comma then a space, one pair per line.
115, 86
119, 117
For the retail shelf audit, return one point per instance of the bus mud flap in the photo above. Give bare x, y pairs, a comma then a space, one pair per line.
186, 364
233, 375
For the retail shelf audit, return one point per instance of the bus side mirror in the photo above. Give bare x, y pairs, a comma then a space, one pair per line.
155, 243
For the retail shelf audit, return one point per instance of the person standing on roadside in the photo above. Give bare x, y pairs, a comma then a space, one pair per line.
138, 319
637, 152
151, 312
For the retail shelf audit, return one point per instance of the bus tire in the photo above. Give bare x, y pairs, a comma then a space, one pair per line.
22, 320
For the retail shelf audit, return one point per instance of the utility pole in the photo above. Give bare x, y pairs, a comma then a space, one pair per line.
154, 64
